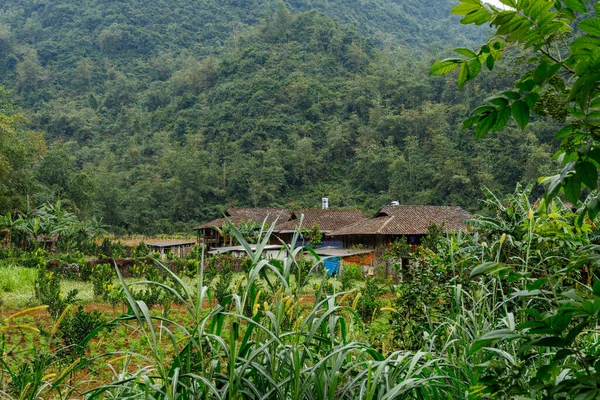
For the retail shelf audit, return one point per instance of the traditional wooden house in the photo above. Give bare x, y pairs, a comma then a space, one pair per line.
393, 222
210, 233
326, 220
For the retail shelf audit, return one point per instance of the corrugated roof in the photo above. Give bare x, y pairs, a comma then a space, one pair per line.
327, 220
229, 249
407, 220
171, 244
238, 215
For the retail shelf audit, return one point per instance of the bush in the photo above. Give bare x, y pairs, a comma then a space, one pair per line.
76, 327
302, 272
102, 280
195, 254
47, 290
187, 267
34, 259
221, 288
119, 250
350, 274
141, 250
369, 304
139, 269
105, 249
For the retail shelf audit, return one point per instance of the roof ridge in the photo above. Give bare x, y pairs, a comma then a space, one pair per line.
390, 218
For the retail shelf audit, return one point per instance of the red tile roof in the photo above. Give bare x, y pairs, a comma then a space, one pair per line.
327, 220
407, 220
238, 215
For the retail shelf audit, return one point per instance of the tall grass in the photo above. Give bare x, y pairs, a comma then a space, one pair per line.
249, 348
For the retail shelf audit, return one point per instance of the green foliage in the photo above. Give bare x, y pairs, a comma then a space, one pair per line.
141, 250
369, 304
313, 235
27, 378
51, 227
560, 81
222, 288
47, 292
76, 327
303, 270
252, 105
34, 259
351, 273
398, 250
102, 280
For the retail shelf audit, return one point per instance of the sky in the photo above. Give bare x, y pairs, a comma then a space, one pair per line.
495, 3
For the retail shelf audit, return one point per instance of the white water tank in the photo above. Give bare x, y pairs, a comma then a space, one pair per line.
395, 203
325, 203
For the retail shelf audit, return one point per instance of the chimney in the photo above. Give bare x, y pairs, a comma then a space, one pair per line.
325, 203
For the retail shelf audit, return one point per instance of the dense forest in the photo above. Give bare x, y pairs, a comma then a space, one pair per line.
154, 115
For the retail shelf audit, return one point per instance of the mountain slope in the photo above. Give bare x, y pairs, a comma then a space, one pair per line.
158, 114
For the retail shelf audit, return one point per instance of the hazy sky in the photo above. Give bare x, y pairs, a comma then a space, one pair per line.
495, 2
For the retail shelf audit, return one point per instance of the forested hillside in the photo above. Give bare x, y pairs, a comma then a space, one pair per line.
159, 113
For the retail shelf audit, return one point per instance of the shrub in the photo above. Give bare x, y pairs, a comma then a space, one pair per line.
221, 288
350, 274
187, 267
139, 269
195, 253
141, 250
102, 280
34, 259
47, 290
119, 250
106, 248
302, 272
76, 327
369, 303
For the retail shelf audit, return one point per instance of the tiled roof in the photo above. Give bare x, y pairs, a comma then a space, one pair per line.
407, 220
238, 215
327, 220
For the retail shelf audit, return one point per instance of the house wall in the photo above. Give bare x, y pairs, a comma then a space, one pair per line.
326, 241
359, 259
269, 254
209, 236
180, 251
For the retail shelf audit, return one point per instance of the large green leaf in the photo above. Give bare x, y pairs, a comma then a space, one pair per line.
572, 188
564, 132
485, 125
488, 268
466, 52
465, 8
463, 75
500, 334
502, 119
489, 62
588, 174
576, 5
591, 26
444, 66
520, 110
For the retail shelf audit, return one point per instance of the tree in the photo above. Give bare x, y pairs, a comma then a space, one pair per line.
30, 73
561, 81
20, 149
